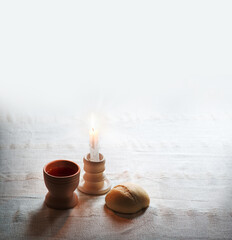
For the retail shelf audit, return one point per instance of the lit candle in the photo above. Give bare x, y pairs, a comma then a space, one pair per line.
94, 147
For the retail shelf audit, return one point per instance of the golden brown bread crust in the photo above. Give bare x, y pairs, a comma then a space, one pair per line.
127, 198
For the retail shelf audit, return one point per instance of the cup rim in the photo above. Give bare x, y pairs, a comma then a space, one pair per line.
61, 177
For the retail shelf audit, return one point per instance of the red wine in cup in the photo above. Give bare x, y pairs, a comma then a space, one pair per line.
61, 171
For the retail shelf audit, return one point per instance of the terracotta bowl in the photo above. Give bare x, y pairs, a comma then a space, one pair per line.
61, 178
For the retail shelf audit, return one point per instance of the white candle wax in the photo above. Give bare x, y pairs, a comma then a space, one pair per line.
94, 147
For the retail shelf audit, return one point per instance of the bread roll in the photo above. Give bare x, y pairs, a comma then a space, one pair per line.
127, 198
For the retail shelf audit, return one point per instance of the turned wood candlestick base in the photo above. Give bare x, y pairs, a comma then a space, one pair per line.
94, 180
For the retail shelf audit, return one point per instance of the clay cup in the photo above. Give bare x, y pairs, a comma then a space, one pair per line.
61, 187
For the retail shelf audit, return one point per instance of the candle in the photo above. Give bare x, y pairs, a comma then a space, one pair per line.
94, 147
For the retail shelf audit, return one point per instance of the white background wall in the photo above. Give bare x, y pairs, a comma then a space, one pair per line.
168, 57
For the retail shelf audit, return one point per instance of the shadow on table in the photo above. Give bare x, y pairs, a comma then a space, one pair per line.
46, 221
120, 216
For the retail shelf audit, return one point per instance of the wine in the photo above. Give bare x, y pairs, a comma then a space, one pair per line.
61, 171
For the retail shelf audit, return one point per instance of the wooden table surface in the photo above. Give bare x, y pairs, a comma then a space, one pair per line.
183, 162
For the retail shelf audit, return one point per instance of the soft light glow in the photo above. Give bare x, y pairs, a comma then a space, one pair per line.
93, 137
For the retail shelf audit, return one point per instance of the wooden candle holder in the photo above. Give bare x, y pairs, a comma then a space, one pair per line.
94, 180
